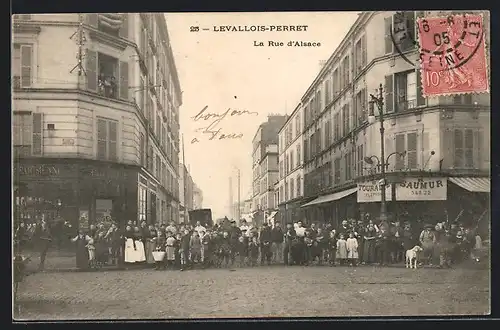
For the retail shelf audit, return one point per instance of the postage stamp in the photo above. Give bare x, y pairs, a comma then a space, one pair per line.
452, 55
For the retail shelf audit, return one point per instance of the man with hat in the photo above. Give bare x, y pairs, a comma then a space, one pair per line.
234, 235
290, 237
428, 240
265, 244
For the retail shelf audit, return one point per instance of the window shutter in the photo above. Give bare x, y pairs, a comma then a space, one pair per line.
389, 149
141, 103
91, 70
123, 32
400, 147
101, 138
112, 140
388, 30
92, 20
425, 151
26, 65
349, 121
364, 55
124, 90
412, 151
37, 134
459, 148
389, 94
469, 148
483, 157
420, 96
141, 149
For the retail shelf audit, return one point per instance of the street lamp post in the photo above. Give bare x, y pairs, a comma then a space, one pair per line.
379, 101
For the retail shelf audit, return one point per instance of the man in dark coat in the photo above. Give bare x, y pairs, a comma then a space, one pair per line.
277, 242
265, 244
234, 235
44, 237
290, 236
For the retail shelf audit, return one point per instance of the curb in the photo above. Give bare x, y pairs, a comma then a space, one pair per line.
104, 269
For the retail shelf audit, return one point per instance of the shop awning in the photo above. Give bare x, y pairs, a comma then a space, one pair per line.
272, 215
473, 184
331, 197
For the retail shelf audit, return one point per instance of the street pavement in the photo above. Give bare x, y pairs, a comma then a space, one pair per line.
274, 291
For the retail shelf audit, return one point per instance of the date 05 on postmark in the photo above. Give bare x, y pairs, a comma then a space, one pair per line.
452, 55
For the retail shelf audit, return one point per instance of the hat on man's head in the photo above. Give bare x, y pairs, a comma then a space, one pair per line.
428, 226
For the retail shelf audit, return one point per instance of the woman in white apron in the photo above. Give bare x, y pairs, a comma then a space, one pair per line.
139, 246
130, 253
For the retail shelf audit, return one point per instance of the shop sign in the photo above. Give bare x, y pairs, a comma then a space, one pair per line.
422, 189
39, 170
369, 192
105, 173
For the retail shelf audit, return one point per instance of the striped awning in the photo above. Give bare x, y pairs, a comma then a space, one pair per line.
473, 184
331, 197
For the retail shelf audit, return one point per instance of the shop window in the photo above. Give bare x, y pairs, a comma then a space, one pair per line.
27, 130
106, 75
22, 65
107, 136
103, 208
142, 193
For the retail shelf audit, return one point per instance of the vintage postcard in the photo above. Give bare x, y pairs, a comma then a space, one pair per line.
250, 165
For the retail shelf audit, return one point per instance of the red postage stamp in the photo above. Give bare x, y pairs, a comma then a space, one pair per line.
452, 55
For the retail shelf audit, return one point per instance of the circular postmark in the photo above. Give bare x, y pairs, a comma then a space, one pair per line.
444, 43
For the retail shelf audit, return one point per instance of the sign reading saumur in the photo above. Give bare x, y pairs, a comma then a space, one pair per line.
422, 189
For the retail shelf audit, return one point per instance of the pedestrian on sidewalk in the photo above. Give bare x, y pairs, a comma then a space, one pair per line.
82, 253
332, 247
265, 244
44, 237
352, 250
277, 243
341, 250
170, 250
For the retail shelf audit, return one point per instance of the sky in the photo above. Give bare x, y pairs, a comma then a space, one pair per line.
221, 70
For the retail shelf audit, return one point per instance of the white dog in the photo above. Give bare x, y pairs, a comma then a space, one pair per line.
412, 256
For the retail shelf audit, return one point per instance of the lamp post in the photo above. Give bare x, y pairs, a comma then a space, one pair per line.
379, 101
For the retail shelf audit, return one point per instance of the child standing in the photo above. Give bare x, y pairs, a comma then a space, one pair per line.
177, 246
332, 248
184, 249
341, 254
352, 249
253, 250
91, 247
170, 250
242, 250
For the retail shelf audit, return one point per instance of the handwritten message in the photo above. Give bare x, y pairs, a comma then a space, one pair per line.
211, 124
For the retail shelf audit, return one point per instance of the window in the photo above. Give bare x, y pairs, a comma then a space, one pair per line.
406, 90
336, 126
298, 186
292, 164
27, 133
297, 125
406, 142
389, 94
327, 133
401, 27
360, 55
462, 99
292, 188
142, 148
345, 72
327, 92
106, 75
464, 148
319, 104
337, 171
281, 196
22, 65
298, 155
335, 83
286, 191
388, 35
107, 136
361, 160
150, 159
158, 167
281, 169
361, 107
142, 204
345, 117
347, 160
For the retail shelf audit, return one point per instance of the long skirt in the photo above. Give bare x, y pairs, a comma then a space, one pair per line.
150, 247
130, 252
140, 253
82, 257
170, 256
369, 255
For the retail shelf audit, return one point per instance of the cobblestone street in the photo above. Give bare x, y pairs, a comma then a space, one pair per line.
254, 292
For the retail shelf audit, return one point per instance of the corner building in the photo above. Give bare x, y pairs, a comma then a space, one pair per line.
102, 142
445, 140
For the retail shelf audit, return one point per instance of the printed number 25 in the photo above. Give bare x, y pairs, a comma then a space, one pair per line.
194, 28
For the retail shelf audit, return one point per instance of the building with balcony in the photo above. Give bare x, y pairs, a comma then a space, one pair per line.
265, 168
289, 188
437, 148
95, 119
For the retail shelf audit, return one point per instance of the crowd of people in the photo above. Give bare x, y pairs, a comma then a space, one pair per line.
184, 246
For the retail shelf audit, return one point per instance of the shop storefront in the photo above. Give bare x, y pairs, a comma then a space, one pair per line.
332, 208
84, 191
429, 199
